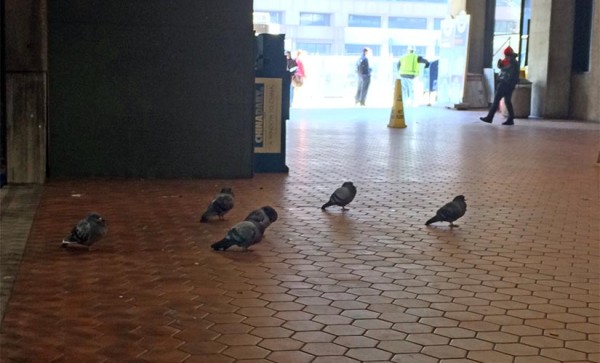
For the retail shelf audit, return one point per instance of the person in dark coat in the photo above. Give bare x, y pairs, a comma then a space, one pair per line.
508, 79
364, 77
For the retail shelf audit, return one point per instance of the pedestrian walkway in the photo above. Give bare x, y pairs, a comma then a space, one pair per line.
17, 209
518, 281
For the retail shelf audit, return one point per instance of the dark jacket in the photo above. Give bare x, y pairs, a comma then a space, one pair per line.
509, 71
291, 66
362, 66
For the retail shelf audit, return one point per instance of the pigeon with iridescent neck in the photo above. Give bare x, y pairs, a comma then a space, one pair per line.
86, 232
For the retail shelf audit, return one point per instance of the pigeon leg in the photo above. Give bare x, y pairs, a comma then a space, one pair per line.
452, 225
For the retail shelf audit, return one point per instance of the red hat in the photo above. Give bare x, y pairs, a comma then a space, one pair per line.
509, 51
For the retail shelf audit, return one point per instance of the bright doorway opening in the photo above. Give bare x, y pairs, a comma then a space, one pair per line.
332, 34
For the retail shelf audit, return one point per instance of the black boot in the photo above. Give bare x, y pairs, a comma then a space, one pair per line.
486, 119
509, 121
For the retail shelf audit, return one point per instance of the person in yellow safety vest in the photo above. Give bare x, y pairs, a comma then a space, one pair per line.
408, 69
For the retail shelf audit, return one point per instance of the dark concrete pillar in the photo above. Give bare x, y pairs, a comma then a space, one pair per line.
550, 56
26, 84
585, 91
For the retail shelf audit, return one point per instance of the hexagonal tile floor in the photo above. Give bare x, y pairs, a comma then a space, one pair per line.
518, 281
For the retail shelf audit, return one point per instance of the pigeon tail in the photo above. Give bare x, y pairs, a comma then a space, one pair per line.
71, 244
433, 220
223, 244
328, 204
204, 218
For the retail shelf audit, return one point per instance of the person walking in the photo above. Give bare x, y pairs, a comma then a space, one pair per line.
291, 67
363, 71
507, 81
299, 76
409, 69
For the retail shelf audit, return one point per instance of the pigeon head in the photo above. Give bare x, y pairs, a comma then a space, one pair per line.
270, 212
460, 197
347, 184
96, 218
227, 191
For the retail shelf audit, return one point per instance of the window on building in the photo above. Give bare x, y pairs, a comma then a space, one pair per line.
357, 49
276, 17
437, 23
400, 50
401, 22
507, 23
315, 19
315, 48
506, 27
364, 21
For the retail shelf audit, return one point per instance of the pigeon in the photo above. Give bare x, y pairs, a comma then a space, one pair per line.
450, 212
263, 216
243, 234
86, 232
219, 206
248, 232
342, 196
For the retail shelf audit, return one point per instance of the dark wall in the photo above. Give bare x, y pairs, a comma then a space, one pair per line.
151, 88
2, 101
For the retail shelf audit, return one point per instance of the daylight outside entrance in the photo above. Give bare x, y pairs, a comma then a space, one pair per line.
331, 35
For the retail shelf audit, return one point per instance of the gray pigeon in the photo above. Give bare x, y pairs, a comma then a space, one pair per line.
243, 234
450, 212
219, 206
248, 232
342, 196
263, 216
86, 232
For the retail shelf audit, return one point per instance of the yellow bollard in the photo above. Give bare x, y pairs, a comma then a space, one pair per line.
397, 116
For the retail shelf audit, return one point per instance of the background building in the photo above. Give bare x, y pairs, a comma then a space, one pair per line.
342, 27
